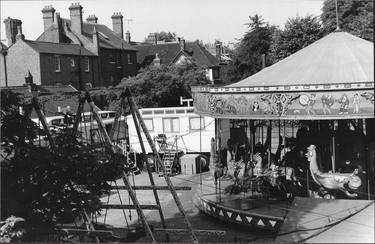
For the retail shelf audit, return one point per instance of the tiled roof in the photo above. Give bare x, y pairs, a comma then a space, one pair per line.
58, 48
107, 38
51, 97
167, 53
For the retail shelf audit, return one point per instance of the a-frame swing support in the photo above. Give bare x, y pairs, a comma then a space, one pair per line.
135, 111
42, 119
108, 141
110, 149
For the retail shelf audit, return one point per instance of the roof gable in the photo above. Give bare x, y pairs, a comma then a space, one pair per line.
170, 52
107, 37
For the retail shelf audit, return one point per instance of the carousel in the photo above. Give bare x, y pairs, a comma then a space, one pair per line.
299, 131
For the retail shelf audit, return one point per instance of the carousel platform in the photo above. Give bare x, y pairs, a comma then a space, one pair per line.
247, 209
315, 220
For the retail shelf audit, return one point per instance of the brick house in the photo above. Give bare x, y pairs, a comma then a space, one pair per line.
116, 57
50, 63
178, 52
3, 63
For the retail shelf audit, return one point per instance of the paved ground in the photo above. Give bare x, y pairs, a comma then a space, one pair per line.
234, 233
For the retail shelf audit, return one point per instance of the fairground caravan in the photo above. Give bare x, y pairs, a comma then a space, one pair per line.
183, 129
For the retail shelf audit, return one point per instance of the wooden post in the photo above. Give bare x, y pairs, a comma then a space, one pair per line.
42, 119
117, 118
81, 103
138, 129
167, 179
124, 176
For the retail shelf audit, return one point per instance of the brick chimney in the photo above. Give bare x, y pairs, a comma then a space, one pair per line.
19, 35
117, 22
76, 18
218, 51
48, 16
182, 43
95, 41
92, 19
127, 37
11, 29
156, 60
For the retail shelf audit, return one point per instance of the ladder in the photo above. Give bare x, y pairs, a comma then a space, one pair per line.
168, 159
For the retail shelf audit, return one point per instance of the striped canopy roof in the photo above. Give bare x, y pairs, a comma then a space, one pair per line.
336, 58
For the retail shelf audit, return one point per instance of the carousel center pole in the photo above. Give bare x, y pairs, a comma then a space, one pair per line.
334, 148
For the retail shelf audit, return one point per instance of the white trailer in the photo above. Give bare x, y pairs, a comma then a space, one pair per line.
190, 132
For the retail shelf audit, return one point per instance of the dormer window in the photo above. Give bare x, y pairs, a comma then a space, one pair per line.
57, 64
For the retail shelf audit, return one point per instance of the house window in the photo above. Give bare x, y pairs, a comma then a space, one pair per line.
216, 73
149, 124
72, 63
57, 64
171, 125
87, 64
111, 58
194, 123
129, 58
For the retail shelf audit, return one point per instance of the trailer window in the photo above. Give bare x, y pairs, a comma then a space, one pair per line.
149, 124
171, 125
194, 123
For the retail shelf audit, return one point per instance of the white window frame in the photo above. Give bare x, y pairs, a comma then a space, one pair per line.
129, 57
87, 64
202, 124
152, 124
57, 63
173, 130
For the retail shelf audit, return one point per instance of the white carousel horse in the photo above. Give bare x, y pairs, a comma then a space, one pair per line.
333, 181
274, 171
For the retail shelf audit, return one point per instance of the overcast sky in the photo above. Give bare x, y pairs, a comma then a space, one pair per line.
205, 20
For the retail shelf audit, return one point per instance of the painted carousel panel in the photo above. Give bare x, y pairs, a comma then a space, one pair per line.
299, 105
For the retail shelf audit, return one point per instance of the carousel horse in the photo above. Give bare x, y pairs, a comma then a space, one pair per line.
333, 181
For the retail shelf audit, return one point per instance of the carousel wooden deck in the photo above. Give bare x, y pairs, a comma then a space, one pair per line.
246, 209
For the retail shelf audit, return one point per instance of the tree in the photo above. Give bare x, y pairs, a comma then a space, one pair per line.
162, 36
355, 17
162, 86
44, 186
166, 36
298, 33
247, 57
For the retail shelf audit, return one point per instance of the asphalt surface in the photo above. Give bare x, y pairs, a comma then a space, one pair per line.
174, 219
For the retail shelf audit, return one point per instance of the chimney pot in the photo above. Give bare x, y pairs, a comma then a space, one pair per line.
182, 44
92, 19
48, 16
117, 22
11, 29
76, 17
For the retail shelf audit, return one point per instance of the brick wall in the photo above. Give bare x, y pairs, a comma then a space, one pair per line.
112, 70
2, 70
20, 59
67, 74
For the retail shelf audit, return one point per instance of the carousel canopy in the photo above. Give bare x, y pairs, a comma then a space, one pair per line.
336, 58
333, 78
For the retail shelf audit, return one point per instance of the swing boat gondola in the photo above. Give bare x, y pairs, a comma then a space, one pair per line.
328, 82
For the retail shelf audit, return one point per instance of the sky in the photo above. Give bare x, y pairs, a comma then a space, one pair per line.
206, 20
